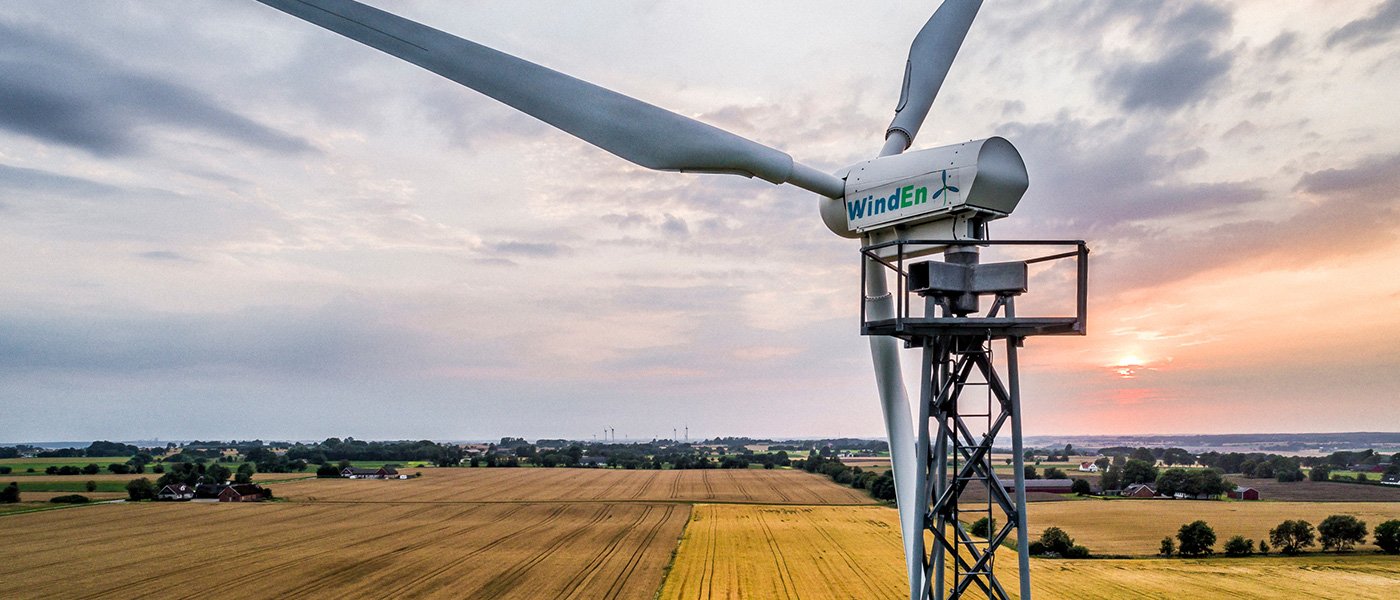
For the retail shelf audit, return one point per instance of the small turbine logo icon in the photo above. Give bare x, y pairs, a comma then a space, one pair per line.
946, 187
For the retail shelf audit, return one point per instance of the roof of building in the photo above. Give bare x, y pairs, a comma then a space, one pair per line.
1239, 489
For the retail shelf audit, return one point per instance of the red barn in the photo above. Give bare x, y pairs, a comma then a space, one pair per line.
1243, 493
241, 493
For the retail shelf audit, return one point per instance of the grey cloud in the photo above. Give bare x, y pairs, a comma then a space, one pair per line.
530, 249
165, 255
1105, 173
1281, 45
1356, 210
347, 336
1375, 180
57, 91
1194, 19
16, 179
1370, 31
674, 225
1181, 78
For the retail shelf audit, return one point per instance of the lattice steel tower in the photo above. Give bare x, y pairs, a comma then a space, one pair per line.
965, 402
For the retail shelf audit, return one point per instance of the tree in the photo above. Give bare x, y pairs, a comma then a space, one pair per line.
1263, 547
1102, 463
1238, 546
1286, 470
1341, 532
982, 527
1055, 473
245, 473
1172, 481
1112, 478
92, 469
1196, 539
1388, 536
1081, 487
1139, 471
327, 471
217, 473
5, 470
1178, 456
1291, 537
1056, 541
1167, 547
1320, 473
90, 486
1030, 472
1144, 455
140, 489
10, 494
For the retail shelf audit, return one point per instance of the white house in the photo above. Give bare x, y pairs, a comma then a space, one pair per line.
1088, 467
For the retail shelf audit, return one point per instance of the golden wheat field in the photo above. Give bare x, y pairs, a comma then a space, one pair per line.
1136, 527
771, 552
286, 550
595, 533
549, 485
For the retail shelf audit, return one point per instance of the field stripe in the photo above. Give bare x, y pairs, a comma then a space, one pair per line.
616, 588
580, 580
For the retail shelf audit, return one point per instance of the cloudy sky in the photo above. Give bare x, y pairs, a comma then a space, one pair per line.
219, 221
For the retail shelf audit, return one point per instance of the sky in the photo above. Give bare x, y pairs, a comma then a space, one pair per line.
218, 221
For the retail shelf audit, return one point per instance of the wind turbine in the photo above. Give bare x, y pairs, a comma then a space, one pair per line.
946, 193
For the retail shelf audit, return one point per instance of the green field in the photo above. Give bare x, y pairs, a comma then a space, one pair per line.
21, 466
77, 485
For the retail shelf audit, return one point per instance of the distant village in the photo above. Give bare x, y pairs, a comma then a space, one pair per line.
222, 471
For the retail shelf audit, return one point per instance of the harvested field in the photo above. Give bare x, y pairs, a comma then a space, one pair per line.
737, 552
552, 485
287, 550
1320, 491
1136, 527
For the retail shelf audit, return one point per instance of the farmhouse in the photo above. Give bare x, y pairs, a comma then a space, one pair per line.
1243, 493
1049, 486
176, 492
241, 492
1391, 480
385, 472
1139, 490
1088, 467
475, 449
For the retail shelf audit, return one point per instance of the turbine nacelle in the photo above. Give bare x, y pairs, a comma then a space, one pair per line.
945, 193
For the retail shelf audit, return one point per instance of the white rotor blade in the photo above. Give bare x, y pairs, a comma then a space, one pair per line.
930, 57
639, 132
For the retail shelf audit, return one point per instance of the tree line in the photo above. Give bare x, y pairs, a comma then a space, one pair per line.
1339, 533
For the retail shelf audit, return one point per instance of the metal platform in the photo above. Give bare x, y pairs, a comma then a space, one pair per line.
913, 328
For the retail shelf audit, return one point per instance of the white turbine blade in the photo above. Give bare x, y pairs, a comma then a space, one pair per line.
930, 57
906, 464
639, 132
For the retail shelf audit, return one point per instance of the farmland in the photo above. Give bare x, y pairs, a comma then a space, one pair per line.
608, 533
847, 552
477, 533
524, 550
549, 485
1135, 527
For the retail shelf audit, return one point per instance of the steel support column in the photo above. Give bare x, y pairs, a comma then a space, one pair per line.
965, 407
